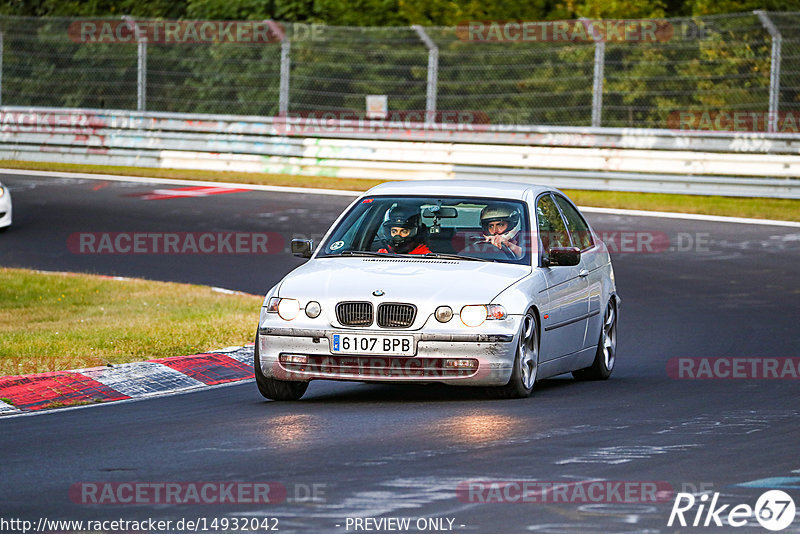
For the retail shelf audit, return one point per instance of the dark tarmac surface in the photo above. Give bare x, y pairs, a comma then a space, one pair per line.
383, 451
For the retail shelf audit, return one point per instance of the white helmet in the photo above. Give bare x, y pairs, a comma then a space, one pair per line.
506, 214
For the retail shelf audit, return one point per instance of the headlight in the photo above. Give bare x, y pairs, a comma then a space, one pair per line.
443, 314
313, 309
2, 191
288, 309
473, 315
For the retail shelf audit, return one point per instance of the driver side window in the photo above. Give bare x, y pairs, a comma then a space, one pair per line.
581, 236
552, 231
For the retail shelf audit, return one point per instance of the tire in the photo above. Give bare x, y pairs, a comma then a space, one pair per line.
526, 362
606, 355
270, 388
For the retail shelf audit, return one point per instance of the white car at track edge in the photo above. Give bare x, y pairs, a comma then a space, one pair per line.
5, 207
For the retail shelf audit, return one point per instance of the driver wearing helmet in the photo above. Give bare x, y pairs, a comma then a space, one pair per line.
500, 225
403, 232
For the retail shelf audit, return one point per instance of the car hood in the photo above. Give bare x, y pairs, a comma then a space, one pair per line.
404, 280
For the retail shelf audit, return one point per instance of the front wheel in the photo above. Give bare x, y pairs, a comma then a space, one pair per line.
271, 388
606, 355
526, 362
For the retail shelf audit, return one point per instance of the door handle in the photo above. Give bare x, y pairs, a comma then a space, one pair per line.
583, 273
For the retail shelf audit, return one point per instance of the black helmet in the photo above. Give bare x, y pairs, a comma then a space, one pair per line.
403, 217
500, 212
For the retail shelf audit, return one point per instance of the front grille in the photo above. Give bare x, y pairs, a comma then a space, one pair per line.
393, 315
354, 313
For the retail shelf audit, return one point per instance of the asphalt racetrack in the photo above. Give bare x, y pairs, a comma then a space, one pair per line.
442, 457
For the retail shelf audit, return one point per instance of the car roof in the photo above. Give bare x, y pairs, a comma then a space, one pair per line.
465, 188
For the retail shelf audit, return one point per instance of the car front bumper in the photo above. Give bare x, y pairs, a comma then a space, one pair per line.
491, 358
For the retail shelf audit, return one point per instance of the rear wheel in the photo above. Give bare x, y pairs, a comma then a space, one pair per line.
606, 355
526, 362
271, 388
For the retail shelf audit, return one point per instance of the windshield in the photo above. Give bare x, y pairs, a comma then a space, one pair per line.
479, 229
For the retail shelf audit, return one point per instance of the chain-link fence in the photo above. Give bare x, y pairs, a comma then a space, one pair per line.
694, 70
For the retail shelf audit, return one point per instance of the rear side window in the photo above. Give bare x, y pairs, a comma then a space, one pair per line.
578, 229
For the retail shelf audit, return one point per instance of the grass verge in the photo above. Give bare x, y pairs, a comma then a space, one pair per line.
759, 208
55, 322
287, 180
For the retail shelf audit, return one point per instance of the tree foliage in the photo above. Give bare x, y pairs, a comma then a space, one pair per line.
711, 62
386, 12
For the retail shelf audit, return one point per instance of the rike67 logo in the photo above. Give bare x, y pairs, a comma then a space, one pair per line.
774, 510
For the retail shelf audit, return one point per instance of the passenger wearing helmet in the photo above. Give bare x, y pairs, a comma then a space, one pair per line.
403, 232
500, 225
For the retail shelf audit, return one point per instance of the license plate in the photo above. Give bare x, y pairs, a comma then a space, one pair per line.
373, 345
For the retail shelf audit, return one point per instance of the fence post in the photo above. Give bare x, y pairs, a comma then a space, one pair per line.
597, 76
141, 80
2, 40
286, 64
141, 64
774, 69
433, 74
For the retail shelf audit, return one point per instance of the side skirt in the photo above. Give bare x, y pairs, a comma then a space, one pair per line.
565, 364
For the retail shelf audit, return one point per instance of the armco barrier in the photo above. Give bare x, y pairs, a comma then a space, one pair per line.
708, 163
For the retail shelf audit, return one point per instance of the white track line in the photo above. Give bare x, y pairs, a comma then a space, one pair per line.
689, 216
173, 181
342, 193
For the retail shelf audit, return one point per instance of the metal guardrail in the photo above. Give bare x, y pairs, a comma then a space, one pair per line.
707, 163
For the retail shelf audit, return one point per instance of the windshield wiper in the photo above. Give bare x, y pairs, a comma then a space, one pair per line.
443, 256
370, 253
436, 255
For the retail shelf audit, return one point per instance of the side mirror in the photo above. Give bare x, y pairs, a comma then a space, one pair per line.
564, 256
302, 247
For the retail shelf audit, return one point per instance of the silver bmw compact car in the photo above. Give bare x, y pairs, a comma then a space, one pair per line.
459, 282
